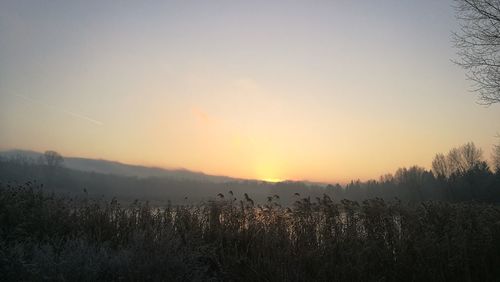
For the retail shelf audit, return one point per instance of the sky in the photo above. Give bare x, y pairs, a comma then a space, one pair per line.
303, 90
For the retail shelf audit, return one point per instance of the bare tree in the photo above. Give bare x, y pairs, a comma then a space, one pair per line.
53, 159
464, 158
478, 43
440, 166
496, 157
458, 160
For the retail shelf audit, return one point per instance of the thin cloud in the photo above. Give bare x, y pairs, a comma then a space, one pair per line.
202, 116
70, 113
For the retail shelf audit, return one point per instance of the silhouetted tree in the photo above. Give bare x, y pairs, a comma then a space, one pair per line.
478, 43
413, 181
496, 158
440, 166
464, 158
53, 159
458, 161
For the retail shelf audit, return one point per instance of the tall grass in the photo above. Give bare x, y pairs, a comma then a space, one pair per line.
48, 238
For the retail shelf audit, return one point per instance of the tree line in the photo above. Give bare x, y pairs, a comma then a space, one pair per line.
462, 174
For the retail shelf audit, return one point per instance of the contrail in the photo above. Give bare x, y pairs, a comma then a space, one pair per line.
82, 117
73, 114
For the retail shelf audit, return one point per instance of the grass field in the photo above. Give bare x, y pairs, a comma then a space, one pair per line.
47, 238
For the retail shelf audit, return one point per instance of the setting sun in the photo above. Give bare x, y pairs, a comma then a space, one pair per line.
272, 180
250, 140
202, 92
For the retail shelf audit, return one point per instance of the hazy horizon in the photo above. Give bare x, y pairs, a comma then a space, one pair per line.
328, 91
271, 180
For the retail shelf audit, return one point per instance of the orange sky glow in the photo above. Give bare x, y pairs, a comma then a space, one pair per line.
251, 89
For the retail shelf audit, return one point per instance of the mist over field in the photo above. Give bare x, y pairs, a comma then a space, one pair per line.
250, 140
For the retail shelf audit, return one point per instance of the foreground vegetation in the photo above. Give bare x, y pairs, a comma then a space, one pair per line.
45, 237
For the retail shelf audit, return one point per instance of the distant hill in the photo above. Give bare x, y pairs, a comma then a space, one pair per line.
117, 168
82, 177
